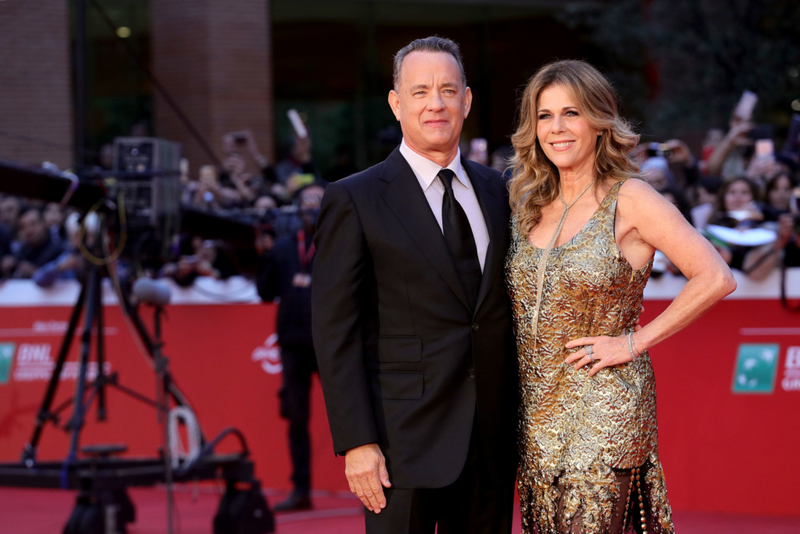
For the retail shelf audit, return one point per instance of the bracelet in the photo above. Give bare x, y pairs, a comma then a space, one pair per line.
630, 346
633, 342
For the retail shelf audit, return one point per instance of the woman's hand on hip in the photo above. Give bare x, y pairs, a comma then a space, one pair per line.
604, 351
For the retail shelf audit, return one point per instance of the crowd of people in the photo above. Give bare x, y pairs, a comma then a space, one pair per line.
732, 186
729, 185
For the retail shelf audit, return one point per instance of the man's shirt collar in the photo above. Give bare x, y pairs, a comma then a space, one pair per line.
427, 170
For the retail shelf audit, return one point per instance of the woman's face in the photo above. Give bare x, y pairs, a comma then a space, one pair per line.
563, 132
781, 194
738, 196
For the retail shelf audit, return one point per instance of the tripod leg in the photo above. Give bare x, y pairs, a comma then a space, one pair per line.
76, 422
100, 382
29, 452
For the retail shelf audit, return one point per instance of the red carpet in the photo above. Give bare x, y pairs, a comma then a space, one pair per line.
24, 511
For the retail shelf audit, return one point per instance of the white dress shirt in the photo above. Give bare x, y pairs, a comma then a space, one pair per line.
427, 172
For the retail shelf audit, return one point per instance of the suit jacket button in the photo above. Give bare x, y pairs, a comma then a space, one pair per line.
475, 327
472, 373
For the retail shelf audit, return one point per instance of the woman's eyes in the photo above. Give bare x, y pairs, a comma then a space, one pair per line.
570, 113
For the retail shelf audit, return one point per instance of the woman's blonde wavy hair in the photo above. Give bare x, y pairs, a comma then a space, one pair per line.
535, 180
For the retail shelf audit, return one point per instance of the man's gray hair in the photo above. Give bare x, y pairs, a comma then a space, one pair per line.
428, 44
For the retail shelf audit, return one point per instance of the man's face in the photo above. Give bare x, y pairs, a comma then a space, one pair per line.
9, 211
311, 198
310, 201
32, 229
431, 102
52, 214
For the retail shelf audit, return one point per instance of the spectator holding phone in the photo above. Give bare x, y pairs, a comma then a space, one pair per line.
729, 158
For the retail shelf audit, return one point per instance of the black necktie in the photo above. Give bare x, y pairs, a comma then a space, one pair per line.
459, 239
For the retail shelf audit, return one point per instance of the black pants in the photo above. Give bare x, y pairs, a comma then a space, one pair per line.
299, 363
474, 504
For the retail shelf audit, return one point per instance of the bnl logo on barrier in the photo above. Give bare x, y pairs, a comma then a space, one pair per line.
791, 371
756, 367
6, 360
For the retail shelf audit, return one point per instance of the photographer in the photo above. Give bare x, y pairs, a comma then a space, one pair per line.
284, 271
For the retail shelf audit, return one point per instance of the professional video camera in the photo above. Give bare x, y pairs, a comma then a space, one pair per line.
138, 208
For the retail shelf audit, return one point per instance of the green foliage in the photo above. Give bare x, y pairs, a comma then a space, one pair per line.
681, 65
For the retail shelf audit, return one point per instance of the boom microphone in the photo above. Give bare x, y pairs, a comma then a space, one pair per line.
153, 292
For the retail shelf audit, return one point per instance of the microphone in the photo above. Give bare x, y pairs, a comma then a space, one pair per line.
153, 292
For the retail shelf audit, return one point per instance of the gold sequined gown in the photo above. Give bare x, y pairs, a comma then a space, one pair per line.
583, 438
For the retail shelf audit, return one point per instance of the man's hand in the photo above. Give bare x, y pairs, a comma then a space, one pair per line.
365, 469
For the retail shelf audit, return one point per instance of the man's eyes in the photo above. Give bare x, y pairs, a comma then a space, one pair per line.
446, 91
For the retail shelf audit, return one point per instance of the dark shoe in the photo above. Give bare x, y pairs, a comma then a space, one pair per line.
298, 500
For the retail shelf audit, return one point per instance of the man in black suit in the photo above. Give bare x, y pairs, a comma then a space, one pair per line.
411, 318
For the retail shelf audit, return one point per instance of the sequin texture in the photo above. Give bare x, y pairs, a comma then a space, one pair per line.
576, 429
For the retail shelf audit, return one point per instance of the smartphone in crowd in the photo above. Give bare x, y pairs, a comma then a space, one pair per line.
747, 103
765, 149
297, 123
240, 138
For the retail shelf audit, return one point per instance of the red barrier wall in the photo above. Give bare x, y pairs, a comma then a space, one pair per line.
722, 451
218, 357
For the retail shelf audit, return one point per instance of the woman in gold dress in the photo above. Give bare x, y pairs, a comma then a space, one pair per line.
584, 232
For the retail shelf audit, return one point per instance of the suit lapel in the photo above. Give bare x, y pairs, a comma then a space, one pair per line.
406, 200
496, 224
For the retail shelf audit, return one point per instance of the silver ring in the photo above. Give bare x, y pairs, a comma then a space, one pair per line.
589, 349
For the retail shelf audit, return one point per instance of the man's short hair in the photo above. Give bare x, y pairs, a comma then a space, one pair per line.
428, 44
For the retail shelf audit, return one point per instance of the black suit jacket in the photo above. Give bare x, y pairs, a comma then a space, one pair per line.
275, 271
403, 360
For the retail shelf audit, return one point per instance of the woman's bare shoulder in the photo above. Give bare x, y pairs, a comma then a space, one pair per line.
635, 191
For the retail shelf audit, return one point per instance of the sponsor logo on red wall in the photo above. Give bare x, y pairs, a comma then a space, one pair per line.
269, 355
791, 371
35, 363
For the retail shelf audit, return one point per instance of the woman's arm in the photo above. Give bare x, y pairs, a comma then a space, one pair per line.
646, 222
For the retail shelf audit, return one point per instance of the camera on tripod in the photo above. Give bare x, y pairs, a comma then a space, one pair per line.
146, 172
